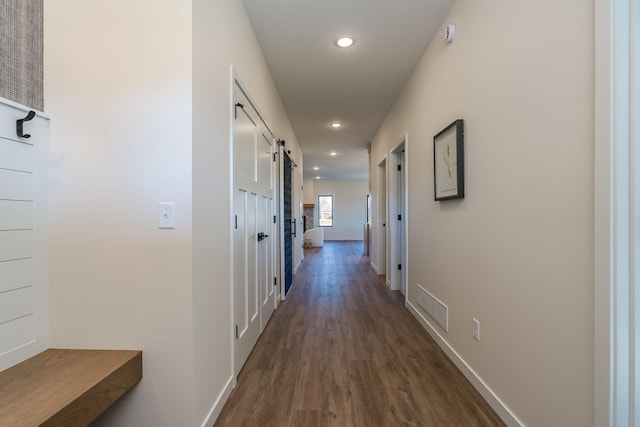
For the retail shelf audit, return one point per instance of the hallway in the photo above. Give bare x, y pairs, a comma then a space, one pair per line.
342, 350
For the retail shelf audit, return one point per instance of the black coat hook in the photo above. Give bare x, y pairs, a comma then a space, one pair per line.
19, 122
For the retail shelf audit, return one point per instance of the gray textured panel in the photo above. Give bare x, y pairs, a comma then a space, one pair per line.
21, 49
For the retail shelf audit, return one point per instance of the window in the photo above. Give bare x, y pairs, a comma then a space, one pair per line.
325, 211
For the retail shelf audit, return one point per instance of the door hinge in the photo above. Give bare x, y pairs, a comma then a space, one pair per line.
236, 216
236, 331
235, 110
274, 156
274, 219
399, 266
275, 281
399, 217
399, 168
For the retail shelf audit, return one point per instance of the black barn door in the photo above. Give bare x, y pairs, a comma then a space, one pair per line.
288, 226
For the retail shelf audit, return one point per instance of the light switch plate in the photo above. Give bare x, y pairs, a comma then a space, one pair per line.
166, 215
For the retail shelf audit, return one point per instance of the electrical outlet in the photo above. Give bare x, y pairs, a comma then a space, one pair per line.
475, 331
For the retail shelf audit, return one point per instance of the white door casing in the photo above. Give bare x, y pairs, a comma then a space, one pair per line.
402, 237
381, 219
617, 213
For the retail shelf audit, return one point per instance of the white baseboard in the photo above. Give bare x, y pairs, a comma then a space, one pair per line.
377, 270
388, 283
218, 404
374, 267
492, 399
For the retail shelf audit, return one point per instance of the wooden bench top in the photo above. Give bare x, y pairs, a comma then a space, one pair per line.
66, 387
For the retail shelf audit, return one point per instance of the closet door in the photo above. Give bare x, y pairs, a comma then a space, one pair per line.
253, 234
246, 292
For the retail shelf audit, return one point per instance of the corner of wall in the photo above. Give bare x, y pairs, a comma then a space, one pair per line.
218, 404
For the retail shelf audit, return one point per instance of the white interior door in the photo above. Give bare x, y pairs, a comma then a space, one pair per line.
245, 240
253, 230
245, 292
267, 240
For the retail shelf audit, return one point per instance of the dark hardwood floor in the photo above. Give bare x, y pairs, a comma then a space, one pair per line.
342, 350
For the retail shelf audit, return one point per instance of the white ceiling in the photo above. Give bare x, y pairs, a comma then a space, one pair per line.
320, 83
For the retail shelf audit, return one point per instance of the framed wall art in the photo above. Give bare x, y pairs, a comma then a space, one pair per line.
448, 162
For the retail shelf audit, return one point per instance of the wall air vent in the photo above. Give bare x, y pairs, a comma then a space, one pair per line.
434, 308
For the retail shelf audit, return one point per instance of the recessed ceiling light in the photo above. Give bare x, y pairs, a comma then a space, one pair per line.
345, 41
317, 177
315, 168
333, 153
336, 125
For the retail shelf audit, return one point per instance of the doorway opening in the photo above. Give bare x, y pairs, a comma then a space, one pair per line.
397, 202
380, 261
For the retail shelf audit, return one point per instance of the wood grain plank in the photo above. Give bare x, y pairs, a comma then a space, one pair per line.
342, 350
305, 419
66, 387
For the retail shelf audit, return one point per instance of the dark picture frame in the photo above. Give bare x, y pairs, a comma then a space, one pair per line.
448, 162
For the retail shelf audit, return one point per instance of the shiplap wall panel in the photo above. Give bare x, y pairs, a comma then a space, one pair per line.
14, 155
16, 215
15, 185
16, 274
16, 304
16, 245
18, 333
24, 287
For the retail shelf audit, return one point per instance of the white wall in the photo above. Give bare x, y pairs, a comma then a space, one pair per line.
349, 208
298, 212
222, 36
139, 94
118, 89
517, 252
308, 196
